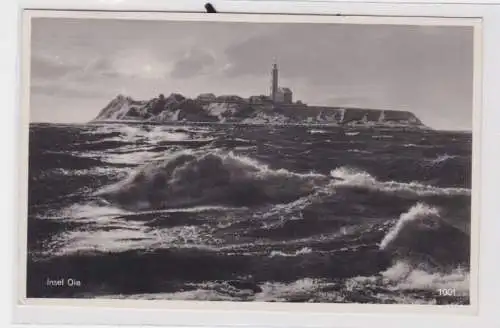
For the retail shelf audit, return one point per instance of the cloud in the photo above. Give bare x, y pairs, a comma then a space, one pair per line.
194, 63
52, 76
96, 69
350, 54
53, 67
65, 91
47, 68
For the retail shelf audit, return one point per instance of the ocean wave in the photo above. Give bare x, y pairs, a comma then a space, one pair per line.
359, 151
109, 235
306, 288
315, 131
102, 144
382, 136
158, 135
288, 208
203, 177
147, 133
193, 178
355, 178
402, 283
113, 239
442, 158
303, 289
422, 213
94, 211
356, 290
190, 295
412, 145
422, 236
404, 276
302, 251
123, 156
206, 291
104, 129
91, 211
94, 171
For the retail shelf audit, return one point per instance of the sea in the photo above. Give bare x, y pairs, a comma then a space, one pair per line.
244, 213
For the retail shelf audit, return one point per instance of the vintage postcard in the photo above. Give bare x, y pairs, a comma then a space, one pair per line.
247, 158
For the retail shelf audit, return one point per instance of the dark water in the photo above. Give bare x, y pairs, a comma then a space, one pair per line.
249, 213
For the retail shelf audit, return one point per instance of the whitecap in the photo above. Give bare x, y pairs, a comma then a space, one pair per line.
442, 158
302, 251
403, 276
417, 214
350, 177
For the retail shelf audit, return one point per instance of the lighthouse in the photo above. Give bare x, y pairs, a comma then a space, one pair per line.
274, 82
279, 96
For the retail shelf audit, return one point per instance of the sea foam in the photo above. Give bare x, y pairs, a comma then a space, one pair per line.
422, 236
209, 178
356, 178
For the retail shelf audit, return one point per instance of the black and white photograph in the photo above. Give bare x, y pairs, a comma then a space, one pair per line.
250, 161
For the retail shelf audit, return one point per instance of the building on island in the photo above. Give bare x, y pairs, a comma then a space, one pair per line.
230, 99
278, 97
283, 96
206, 97
259, 100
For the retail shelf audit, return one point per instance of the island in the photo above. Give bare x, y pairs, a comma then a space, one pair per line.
276, 108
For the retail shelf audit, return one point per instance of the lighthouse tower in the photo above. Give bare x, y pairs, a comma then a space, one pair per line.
274, 82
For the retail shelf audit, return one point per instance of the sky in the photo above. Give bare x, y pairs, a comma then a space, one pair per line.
79, 65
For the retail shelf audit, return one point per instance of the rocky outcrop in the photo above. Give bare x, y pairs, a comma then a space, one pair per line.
371, 116
234, 109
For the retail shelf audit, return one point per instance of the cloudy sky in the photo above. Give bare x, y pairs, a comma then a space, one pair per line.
79, 65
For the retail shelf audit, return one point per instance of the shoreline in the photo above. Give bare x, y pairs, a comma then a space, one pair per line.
305, 125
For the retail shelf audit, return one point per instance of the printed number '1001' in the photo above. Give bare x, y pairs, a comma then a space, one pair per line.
446, 291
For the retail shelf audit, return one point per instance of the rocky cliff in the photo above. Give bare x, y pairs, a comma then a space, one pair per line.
177, 108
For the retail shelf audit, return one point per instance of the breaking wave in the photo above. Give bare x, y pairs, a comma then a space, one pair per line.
404, 276
209, 178
443, 158
421, 235
200, 178
352, 177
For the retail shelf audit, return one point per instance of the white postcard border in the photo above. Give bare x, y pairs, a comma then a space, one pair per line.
276, 314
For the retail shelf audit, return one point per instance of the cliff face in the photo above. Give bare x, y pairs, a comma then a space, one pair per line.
176, 107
